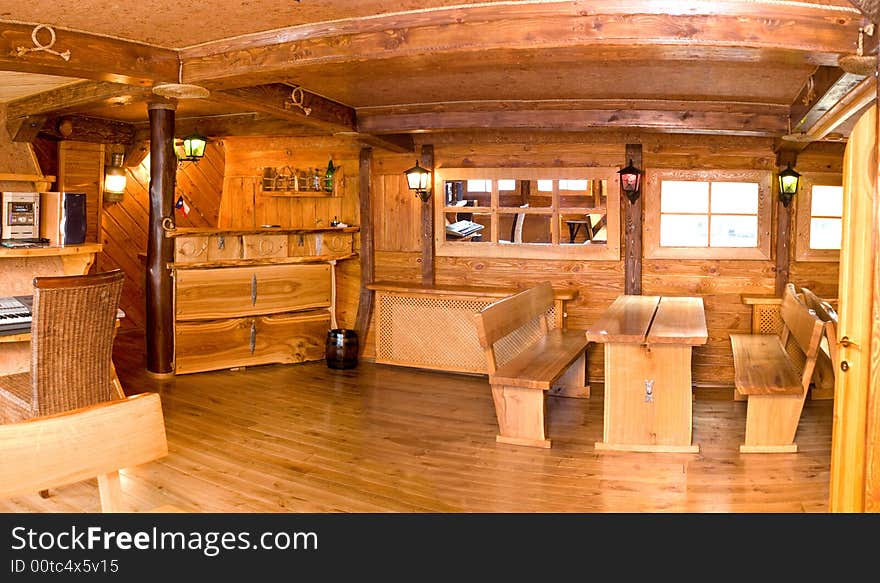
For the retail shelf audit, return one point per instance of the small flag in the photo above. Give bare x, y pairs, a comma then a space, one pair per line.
181, 205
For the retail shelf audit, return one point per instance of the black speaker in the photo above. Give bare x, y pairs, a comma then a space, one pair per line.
63, 217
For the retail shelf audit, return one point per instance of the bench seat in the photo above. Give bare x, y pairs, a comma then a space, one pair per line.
762, 367
541, 364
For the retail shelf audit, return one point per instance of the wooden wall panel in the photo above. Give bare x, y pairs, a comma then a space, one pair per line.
81, 169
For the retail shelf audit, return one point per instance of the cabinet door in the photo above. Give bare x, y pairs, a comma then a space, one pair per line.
204, 294
282, 338
264, 246
200, 346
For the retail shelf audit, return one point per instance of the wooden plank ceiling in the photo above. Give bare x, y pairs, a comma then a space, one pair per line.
381, 70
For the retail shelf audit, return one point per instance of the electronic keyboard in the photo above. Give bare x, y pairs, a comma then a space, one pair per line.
15, 314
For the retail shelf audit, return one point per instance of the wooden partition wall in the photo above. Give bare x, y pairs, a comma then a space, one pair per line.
719, 282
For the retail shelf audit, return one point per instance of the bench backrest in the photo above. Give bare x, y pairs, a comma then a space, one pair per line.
801, 333
504, 317
95, 441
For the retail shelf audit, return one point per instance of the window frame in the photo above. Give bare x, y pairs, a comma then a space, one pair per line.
651, 196
803, 205
610, 251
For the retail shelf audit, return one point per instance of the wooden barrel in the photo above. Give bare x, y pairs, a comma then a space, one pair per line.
342, 348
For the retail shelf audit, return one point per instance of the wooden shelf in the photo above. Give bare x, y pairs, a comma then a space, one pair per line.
298, 193
26, 178
196, 232
51, 251
266, 261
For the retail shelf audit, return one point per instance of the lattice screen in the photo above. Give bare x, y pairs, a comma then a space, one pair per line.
766, 319
439, 332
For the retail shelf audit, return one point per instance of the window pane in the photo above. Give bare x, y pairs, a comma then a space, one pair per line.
545, 185
522, 193
464, 227
578, 193
827, 202
580, 229
506, 184
735, 197
684, 231
734, 231
680, 196
825, 233
479, 185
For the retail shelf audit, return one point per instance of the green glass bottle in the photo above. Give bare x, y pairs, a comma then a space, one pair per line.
328, 177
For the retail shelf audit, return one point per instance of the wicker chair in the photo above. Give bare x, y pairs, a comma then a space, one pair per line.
72, 331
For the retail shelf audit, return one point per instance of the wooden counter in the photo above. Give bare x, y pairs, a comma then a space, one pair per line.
648, 389
431, 327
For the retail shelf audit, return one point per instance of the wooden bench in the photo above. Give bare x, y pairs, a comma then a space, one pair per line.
526, 358
774, 373
95, 441
825, 374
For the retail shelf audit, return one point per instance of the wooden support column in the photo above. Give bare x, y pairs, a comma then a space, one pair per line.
367, 256
163, 169
632, 221
427, 162
783, 226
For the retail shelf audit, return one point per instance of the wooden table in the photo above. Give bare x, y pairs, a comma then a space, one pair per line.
648, 391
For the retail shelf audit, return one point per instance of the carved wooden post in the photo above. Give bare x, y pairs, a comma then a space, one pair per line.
427, 162
632, 220
163, 170
368, 265
783, 226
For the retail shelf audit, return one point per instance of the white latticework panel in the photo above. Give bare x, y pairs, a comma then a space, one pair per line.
437, 332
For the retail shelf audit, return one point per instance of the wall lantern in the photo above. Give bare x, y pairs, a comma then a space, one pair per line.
114, 178
193, 147
418, 179
630, 181
788, 185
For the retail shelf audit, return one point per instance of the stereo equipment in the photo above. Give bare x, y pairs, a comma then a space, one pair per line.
21, 215
63, 218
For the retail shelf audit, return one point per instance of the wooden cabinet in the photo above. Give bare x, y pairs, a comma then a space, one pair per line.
223, 292
281, 338
245, 298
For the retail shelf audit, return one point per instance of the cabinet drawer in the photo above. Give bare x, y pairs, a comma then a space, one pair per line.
282, 338
222, 247
303, 244
190, 249
336, 244
244, 291
264, 246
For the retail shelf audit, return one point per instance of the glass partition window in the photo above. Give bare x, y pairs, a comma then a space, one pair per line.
819, 219
537, 212
708, 215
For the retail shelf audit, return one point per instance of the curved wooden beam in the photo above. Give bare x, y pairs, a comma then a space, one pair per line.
763, 31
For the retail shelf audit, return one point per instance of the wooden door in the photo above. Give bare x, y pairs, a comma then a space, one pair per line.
856, 437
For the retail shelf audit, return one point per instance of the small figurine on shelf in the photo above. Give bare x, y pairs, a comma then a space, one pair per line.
328, 177
316, 179
334, 222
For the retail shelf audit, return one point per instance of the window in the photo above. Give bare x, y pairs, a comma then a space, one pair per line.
819, 218
707, 214
528, 212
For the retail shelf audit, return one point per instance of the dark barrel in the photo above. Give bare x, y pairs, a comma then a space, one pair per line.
342, 348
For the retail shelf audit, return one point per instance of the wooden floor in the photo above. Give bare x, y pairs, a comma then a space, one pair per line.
306, 438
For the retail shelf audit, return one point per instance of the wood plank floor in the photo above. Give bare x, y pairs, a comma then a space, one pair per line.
306, 438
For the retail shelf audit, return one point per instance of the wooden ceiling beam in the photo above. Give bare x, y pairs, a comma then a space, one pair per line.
828, 85
26, 129
275, 100
89, 56
68, 98
689, 121
758, 32
311, 111
857, 99
88, 129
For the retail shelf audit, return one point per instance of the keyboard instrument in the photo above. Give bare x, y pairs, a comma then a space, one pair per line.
15, 314
463, 228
